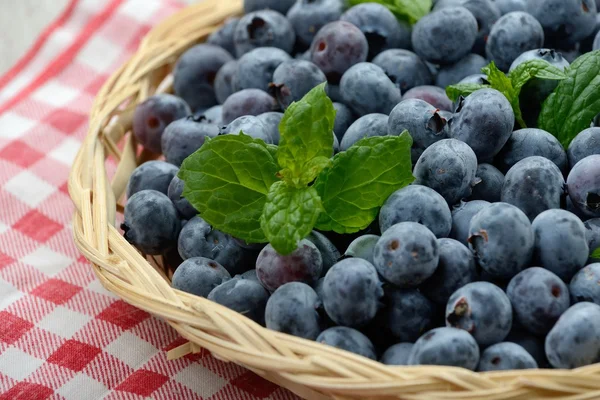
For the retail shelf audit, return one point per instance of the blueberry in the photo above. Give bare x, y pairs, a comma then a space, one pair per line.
462, 214
263, 28
281, 6
292, 309
247, 102
538, 297
152, 116
560, 242
564, 20
303, 265
505, 356
584, 285
226, 81
404, 68
255, 68
406, 314
533, 344
586, 143
271, 121
456, 268
397, 354
329, 253
151, 222
195, 72
506, 6
502, 240
381, 28
199, 239
293, 79
445, 346
468, 65
245, 296
575, 339
183, 137
151, 175
596, 44
479, 79
199, 276
448, 167
420, 204
347, 281
583, 184
406, 254
338, 46
212, 115
366, 89
445, 36
224, 35
484, 120
344, 117
183, 206
249, 125
483, 310
366, 126
511, 35
529, 142
434, 95
249, 275
534, 184
592, 233
348, 339
362, 247
422, 120
534, 92
308, 16
490, 186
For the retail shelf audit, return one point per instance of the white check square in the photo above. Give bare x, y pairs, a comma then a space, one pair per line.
131, 349
29, 188
47, 261
17, 364
55, 322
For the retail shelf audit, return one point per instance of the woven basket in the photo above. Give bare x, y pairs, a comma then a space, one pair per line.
310, 369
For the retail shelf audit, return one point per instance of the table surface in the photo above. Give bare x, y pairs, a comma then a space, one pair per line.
62, 335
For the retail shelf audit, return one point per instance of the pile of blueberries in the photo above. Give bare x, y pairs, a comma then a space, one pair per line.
484, 262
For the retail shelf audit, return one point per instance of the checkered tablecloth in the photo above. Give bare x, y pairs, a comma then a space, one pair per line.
62, 336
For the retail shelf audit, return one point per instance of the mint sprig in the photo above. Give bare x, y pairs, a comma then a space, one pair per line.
405, 10
278, 194
595, 254
509, 85
576, 100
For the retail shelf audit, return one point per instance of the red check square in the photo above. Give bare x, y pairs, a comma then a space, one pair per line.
19, 153
27, 391
56, 291
122, 314
65, 120
255, 385
74, 355
37, 226
12, 327
142, 382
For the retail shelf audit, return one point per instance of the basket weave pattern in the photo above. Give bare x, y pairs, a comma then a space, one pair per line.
310, 369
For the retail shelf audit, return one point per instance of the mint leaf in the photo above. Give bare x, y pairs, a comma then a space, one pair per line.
305, 134
595, 254
360, 180
499, 81
289, 215
272, 150
575, 101
404, 10
534, 69
227, 181
462, 89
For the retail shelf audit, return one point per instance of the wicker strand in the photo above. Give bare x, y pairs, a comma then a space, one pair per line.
309, 369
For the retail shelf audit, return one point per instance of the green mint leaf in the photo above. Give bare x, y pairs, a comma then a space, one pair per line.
289, 215
360, 179
575, 101
499, 81
272, 148
227, 181
404, 10
534, 69
305, 134
595, 254
462, 89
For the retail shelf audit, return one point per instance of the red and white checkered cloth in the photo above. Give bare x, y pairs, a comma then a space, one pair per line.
62, 336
